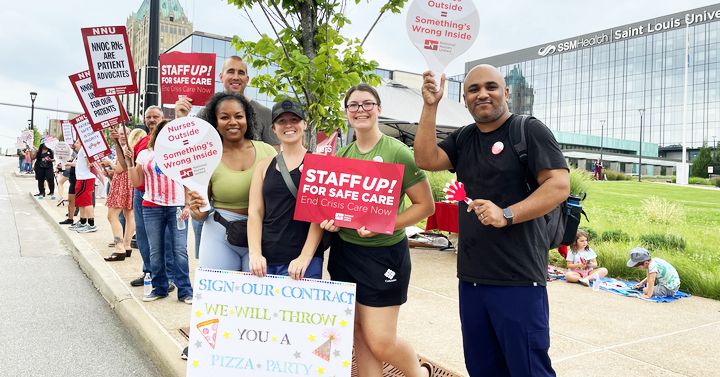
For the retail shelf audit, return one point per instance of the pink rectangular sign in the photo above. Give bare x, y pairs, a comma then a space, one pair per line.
354, 193
187, 75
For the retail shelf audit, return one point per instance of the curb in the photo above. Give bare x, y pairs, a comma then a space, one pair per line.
17, 174
161, 348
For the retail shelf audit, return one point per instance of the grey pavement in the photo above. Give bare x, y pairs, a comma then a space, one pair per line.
55, 323
592, 333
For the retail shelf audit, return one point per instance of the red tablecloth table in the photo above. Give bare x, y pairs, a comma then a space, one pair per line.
445, 218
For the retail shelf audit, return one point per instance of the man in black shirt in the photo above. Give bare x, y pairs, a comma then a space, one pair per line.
502, 261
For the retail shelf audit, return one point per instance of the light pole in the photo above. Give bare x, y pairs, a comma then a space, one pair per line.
32, 111
602, 131
714, 148
642, 113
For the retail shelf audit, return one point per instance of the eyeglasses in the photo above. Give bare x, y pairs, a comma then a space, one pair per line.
355, 107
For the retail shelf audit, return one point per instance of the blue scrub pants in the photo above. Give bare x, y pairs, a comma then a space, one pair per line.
506, 330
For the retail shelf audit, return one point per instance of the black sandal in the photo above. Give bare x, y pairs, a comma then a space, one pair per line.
128, 253
115, 257
429, 367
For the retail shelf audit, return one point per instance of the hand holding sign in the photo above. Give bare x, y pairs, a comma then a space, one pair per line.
442, 30
188, 150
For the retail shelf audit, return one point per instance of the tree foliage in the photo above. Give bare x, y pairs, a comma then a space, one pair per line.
315, 63
701, 163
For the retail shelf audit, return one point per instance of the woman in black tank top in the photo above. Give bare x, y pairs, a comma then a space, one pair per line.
278, 244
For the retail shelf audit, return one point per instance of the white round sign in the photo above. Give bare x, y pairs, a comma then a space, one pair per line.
62, 153
442, 30
188, 150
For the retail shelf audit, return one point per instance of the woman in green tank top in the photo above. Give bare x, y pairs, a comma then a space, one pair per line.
379, 264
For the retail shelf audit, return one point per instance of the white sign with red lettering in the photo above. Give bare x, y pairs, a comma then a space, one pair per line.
188, 150
442, 30
28, 138
51, 142
111, 66
62, 153
93, 142
67, 131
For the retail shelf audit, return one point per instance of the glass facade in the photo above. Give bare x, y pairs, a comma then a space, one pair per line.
222, 48
618, 74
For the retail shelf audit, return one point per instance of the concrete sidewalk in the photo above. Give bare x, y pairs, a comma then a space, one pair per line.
592, 333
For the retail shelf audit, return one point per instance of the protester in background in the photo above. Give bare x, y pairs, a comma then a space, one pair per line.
364, 257
28, 161
21, 159
153, 115
44, 172
64, 177
234, 77
84, 192
120, 200
234, 119
597, 167
165, 217
70, 165
280, 245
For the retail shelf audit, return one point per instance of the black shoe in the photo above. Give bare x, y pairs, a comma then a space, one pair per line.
38, 194
139, 282
66, 222
133, 244
184, 355
171, 287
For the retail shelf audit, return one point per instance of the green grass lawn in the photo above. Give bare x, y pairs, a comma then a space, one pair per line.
617, 205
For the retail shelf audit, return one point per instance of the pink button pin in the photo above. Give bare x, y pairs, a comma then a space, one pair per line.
497, 147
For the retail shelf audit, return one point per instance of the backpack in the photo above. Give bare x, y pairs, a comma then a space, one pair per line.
563, 221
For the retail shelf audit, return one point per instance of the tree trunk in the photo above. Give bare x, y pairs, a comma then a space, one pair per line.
308, 27
311, 136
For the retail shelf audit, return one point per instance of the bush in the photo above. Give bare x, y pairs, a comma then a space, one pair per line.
662, 211
702, 161
579, 181
716, 182
437, 180
698, 181
592, 234
658, 241
615, 236
616, 176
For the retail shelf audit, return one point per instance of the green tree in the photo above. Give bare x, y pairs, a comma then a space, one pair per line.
701, 163
316, 63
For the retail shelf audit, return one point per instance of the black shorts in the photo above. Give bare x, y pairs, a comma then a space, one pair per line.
382, 273
71, 190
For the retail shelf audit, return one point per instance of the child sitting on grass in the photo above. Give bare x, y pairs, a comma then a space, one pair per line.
657, 268
582, 261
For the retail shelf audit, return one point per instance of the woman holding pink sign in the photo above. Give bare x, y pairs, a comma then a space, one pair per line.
120, 200
234, 119
279, 244
379, 263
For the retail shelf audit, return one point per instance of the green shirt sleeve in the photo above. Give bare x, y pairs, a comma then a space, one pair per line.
412, 174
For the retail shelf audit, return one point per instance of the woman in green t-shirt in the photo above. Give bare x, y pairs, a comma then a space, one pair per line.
379, 264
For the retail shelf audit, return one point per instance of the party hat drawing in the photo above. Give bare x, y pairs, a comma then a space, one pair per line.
324, 350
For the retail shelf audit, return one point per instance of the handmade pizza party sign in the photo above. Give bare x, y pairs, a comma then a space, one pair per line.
187, 75
245, 325
188, 150
354, 193
442, 30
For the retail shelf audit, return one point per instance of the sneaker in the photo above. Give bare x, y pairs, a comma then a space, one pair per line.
38, 194
184, 355
171, 287
187, 300
66, 222
88, 229
584, 281
76, 226
40, 197
139, 282
52, 197
152, 297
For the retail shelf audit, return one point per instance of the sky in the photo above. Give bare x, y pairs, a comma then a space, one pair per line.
41, 44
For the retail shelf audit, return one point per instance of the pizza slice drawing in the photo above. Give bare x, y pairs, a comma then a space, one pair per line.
209, 330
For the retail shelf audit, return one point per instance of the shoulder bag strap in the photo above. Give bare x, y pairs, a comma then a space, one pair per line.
286, 174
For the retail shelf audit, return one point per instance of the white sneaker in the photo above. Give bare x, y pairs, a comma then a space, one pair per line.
584, 281
88, 229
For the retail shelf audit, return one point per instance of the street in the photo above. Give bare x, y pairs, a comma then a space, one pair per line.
55, 323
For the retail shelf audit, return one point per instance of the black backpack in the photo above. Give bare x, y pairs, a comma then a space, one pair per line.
563, 221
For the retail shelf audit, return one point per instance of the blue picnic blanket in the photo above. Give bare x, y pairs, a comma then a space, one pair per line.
625, 288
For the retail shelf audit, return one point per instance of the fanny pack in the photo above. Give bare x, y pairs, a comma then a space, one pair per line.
235, 231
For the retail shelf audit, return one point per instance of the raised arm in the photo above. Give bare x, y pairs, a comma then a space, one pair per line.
428, 155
